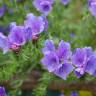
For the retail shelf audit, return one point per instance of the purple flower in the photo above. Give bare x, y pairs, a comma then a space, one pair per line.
85, 61
2, 11
62, 94
74, 93
33, 25
57, 60
65, 2
15, 39
2, 91
92, 7
44, 6
17, 35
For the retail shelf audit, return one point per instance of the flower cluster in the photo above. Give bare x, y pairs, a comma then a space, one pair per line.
57, 60
45, 6
84, 60
19, 35
62, 61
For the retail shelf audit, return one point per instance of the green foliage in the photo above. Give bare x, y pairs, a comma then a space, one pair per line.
44, 82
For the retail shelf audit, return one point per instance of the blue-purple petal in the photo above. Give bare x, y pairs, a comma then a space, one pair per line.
17, 35
79, 57
2, 91
2, 11
78, 74
51, 62
64, 50
64, 70
92, 7
34, 23
91, 65
44, 6
89, 51
74, 93
48, 46
4, 43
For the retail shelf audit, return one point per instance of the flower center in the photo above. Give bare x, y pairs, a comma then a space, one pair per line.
15, 48
46, 7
